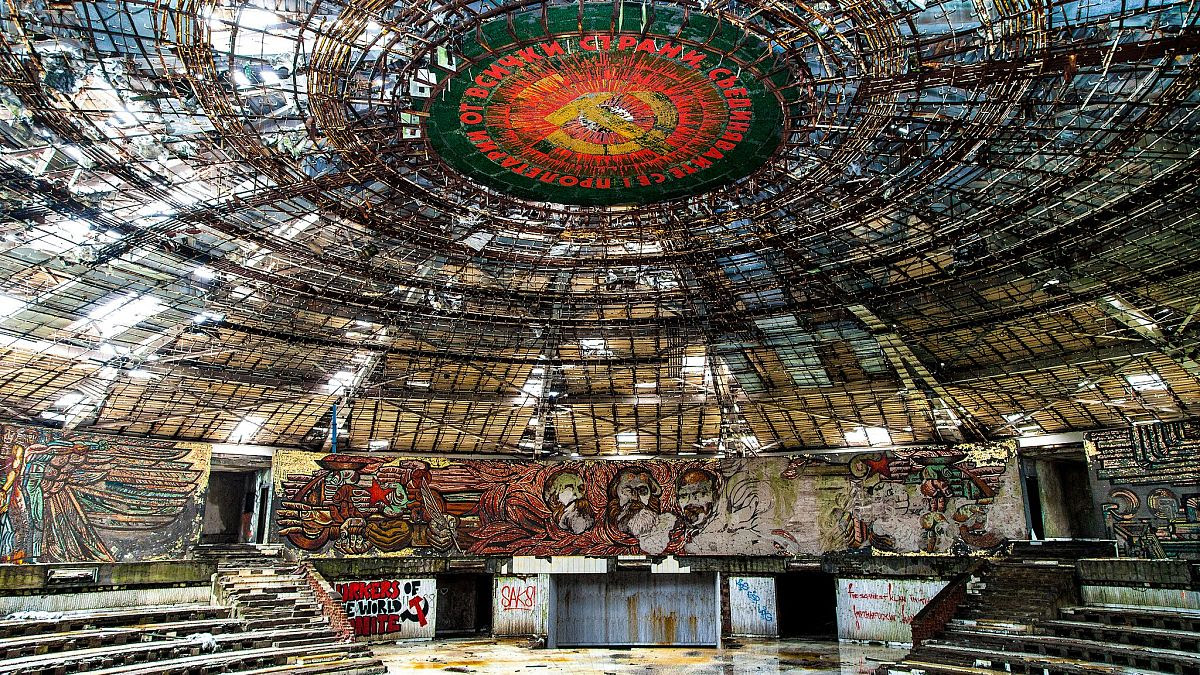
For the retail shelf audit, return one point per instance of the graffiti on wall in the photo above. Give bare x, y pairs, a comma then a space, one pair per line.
72, 497
347, 505
881, 609
396, 607
518, 596
1149, 479
752, 606
520, 605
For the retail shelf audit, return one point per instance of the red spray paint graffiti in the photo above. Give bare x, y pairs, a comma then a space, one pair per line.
518, 598
386, 606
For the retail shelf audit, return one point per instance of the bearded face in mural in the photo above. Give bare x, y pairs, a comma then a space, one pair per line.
634, 508
564, 495
695, 492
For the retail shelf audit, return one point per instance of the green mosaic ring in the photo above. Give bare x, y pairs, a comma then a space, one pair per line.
591, 110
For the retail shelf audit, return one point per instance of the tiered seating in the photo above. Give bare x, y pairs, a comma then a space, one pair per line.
1020, 592
270, 624
1133, 617
108, 618
1022, 621
1045, 648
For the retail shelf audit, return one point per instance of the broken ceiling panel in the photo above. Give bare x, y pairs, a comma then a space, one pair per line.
790, 226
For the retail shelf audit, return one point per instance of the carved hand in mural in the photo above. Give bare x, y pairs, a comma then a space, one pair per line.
352, 544
298, 518
354, 526
441, 533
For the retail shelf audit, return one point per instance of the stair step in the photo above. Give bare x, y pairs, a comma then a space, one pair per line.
286, 622
352, 666
996, 660
218, 662
310, 640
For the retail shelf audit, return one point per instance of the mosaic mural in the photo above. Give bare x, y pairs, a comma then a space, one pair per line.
644, 110
347, 505
1148, 480
966, 497
71, 497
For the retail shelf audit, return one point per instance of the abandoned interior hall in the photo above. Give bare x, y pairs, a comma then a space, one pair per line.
600, 337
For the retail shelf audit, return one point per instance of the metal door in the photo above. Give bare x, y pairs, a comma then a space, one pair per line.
520, 605
635, 608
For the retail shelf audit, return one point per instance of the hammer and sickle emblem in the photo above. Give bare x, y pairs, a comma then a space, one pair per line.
596, 109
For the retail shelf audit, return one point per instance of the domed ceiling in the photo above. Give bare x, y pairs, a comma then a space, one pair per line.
553, 228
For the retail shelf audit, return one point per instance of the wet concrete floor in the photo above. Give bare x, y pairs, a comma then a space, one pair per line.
493, 656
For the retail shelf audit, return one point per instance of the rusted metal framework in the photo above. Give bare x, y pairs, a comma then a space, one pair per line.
222, 218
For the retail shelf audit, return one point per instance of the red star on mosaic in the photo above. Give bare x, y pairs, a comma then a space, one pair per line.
379, 494
880, 466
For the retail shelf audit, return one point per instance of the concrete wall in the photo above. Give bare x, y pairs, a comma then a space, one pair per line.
904, 501
139, 597
1141, 583
634, 608
77, 497
67, 587
1147, 482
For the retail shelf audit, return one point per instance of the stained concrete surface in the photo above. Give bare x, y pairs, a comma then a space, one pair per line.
493, 656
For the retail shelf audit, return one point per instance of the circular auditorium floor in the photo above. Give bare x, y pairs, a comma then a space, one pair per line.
493, 656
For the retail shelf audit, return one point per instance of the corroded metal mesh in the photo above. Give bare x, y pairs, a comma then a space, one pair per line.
223, 218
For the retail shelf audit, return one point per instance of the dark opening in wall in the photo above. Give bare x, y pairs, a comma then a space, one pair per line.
1034, 505
229, 507
807, 604
464, 604
1058, 491
1078, 503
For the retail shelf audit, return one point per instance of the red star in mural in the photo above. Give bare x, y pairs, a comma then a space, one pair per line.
379, 494
880, 466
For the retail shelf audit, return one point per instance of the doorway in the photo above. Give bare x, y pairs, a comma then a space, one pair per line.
807, 605
235, 508
1058, 492
464, 604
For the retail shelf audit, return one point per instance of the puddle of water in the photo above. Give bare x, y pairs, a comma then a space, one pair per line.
504, 656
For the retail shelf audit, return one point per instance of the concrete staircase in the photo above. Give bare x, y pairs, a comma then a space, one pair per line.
265, 620
237, 556
272, 598
1020, 592
1024, 615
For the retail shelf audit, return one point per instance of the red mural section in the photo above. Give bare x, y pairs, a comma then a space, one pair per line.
928, 501
363, 504
545, 109
599, 115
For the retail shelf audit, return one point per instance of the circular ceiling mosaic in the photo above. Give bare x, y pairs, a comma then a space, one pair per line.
644, 113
